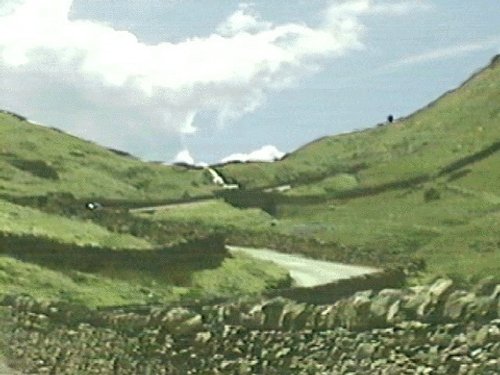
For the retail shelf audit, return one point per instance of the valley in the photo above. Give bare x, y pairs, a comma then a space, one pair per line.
175, 259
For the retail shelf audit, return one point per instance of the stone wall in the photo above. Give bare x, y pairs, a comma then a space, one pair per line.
331, 292
430, 329
200, 253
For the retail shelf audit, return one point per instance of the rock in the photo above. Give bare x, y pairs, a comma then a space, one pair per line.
496, 292
181, 321
392, 314
427, 303
365, 350
324, 318
455, 306
419, 296
480, 308
354, 312
273, 313
438, 292
381, 304
296, 316
485, 286
254, 318
439, 289
480, 338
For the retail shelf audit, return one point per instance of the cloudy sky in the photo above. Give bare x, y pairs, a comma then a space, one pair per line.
210, 79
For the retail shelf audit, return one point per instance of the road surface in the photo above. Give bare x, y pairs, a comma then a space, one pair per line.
172, 206
304, 271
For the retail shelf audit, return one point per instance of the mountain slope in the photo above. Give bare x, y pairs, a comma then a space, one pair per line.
35, 160
461, 122
427, 186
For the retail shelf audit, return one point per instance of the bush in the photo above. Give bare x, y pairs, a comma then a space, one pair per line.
431, 194
38, 168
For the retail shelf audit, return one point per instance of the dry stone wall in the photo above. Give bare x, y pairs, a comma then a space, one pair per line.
430, 329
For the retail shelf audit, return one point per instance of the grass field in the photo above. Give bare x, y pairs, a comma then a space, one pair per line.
238, 275
25, 221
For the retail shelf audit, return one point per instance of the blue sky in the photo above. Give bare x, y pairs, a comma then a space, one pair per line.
215, 78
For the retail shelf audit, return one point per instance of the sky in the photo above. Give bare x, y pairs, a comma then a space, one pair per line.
205, 81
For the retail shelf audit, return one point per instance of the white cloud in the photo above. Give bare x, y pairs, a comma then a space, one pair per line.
243, 20
448, 52
164, 86
267, 153
184, 156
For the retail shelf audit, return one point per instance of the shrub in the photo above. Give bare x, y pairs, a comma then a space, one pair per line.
38, 168
431, 194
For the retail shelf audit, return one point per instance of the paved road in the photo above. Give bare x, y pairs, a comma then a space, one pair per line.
172, 205
307, 272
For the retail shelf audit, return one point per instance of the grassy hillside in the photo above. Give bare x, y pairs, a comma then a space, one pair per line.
460, 123
24, 221
110, 281
426, 186
236, 276
35, 160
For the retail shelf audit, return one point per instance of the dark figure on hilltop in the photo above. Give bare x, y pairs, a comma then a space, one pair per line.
390, 118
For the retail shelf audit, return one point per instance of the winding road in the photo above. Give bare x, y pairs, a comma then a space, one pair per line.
304, 271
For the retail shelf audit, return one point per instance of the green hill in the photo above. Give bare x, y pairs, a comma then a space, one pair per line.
45, 175
458, 124
35, 160
425, 186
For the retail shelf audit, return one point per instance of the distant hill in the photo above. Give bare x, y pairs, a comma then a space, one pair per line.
35, 160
